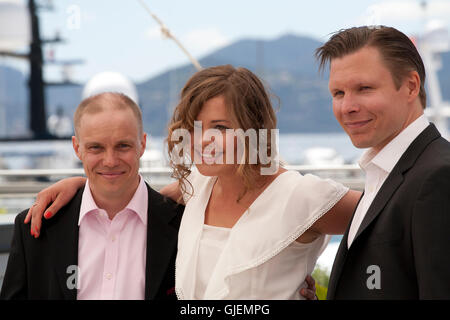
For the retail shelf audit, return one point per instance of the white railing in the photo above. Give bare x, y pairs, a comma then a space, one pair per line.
18, 188
32, 173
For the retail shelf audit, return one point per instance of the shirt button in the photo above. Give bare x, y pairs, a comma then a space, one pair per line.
108, 276
113, 238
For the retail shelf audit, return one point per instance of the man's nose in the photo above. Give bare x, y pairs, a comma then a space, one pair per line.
110, 159
349, 103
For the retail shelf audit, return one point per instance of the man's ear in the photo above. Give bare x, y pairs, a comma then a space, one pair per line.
143, 144
76, 147
413, 85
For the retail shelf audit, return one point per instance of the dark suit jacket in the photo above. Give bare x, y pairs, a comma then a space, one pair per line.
37, 268
405, 233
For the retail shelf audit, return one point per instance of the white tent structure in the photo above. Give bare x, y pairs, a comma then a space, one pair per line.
110, 81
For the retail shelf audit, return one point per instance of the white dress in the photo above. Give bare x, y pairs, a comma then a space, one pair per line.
260, 258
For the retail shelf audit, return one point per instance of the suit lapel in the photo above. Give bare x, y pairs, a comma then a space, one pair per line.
387, 190
62, 232
395, 178
162, 238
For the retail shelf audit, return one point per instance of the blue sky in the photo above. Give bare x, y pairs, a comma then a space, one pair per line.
119, 35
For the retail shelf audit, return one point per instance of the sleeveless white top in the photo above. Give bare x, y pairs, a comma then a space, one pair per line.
212, 242
259, 257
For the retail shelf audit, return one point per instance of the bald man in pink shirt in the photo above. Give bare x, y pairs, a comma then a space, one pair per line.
117, 237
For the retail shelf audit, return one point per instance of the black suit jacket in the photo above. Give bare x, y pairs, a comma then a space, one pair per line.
402, 248
38, 268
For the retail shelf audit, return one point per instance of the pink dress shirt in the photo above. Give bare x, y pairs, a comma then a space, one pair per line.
112, 253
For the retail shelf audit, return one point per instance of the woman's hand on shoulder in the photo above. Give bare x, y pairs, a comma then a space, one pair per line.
58, 195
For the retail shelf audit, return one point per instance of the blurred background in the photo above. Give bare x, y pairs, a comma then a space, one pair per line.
55, 53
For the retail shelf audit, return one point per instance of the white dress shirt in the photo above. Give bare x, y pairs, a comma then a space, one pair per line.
112, 253
378, 166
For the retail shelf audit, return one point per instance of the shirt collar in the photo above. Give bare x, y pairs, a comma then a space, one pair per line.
387, 158
138, 204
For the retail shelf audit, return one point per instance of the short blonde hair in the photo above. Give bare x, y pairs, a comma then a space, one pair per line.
101, 101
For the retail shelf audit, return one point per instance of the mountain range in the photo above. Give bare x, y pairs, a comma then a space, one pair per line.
286, 65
